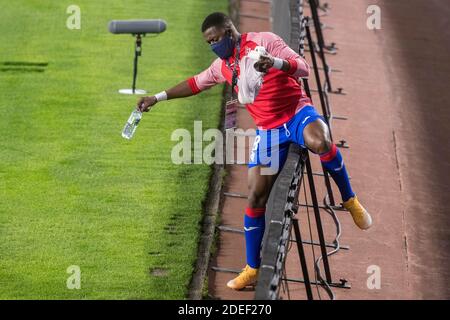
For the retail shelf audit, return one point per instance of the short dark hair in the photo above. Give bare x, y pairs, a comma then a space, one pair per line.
215, 19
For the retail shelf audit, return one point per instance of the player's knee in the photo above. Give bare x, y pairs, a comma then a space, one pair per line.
320, 145
317, 137
256, 200
324, 146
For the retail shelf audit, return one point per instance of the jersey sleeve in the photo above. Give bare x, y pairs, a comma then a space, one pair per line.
207, 78
276, 47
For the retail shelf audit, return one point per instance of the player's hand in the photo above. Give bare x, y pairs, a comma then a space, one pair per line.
264, 63
145, 103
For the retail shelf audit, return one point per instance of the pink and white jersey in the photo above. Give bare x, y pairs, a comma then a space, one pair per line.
281, 94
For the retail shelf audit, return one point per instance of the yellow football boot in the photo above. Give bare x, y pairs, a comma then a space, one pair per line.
246, 278
360, 215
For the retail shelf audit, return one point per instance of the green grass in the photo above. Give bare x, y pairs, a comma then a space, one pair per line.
72, 190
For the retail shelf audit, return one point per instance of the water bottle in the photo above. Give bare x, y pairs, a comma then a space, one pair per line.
131, 125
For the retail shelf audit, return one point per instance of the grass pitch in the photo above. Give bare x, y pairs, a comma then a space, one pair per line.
72, 190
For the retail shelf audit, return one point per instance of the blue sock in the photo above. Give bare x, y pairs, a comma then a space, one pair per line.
333, 162
254, 225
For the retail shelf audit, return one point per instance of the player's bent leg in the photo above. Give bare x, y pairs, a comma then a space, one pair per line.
259, 187
317, 139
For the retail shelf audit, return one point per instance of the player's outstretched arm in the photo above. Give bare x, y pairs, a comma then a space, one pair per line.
194, 85
181, 90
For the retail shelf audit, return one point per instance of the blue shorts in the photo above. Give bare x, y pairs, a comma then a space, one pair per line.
271, 146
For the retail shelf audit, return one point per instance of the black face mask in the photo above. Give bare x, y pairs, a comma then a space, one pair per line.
224, 48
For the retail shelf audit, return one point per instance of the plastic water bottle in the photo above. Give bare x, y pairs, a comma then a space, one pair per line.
131, 125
